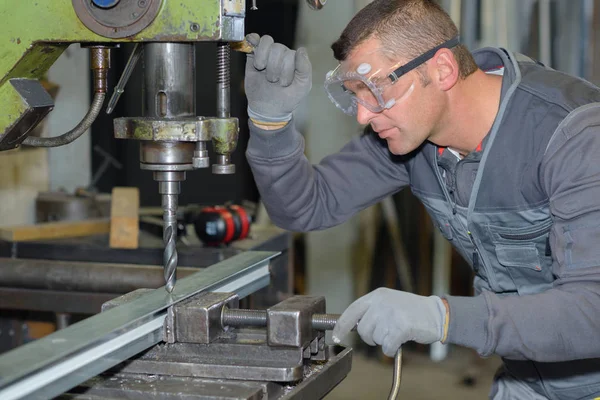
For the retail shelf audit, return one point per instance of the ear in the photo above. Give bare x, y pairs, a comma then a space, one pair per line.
446, 69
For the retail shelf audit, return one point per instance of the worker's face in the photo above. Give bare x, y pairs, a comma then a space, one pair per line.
411, 119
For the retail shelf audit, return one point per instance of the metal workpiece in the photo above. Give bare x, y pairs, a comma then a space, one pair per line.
49, 366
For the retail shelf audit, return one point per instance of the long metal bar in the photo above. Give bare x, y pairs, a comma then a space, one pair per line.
49, 366
82, 276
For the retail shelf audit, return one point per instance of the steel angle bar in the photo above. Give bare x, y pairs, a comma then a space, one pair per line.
50, 366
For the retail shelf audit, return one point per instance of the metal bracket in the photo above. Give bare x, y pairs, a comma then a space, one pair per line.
38, 104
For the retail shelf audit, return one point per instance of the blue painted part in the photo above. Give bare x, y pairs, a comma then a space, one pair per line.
105, 3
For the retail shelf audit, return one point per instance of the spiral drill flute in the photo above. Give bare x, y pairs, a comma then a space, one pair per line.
169, 206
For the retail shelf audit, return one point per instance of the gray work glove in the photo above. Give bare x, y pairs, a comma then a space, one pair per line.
277, 79
390, 318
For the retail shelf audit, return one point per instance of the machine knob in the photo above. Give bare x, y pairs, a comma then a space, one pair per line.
105, 3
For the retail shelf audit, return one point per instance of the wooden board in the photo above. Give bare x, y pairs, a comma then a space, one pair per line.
55, 230
124, 218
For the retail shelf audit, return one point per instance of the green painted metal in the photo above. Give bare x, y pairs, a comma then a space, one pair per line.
35, 33
12, 105
225, 136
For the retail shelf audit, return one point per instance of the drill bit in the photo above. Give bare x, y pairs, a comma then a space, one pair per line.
169, 205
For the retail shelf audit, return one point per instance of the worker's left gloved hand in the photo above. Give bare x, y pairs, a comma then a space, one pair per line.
277, 80
390, 318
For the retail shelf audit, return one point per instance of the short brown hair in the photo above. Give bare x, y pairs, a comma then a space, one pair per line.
406, 27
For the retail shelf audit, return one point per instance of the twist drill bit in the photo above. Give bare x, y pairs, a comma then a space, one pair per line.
169, 205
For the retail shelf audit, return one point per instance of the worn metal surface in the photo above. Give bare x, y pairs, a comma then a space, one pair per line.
320, 378
180, 129
198, 320
289, 323
245, 355
153, 387
224, 135
49, 366
317, 380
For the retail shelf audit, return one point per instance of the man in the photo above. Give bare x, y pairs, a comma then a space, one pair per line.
503, 152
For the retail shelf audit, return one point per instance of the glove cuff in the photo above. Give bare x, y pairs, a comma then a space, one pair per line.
263, 118
444, 314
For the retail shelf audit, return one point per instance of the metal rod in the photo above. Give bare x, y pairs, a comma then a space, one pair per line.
397, 378
223, 79
120, 88
82, 276
49, 366
545, 35
240, 317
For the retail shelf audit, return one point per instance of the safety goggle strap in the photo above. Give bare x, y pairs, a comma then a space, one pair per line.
422, 58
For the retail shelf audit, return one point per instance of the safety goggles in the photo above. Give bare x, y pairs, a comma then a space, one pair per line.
359, 83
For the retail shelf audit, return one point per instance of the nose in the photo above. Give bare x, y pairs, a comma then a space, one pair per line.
363, 114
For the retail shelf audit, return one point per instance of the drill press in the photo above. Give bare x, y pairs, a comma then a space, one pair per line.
172, 139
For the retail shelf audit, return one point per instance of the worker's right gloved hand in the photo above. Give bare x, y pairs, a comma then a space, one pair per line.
390, 318
277, 80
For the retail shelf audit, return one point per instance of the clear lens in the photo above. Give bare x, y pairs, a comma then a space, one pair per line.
374, 90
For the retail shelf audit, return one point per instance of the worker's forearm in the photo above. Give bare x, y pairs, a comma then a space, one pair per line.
560, 324
303, 197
